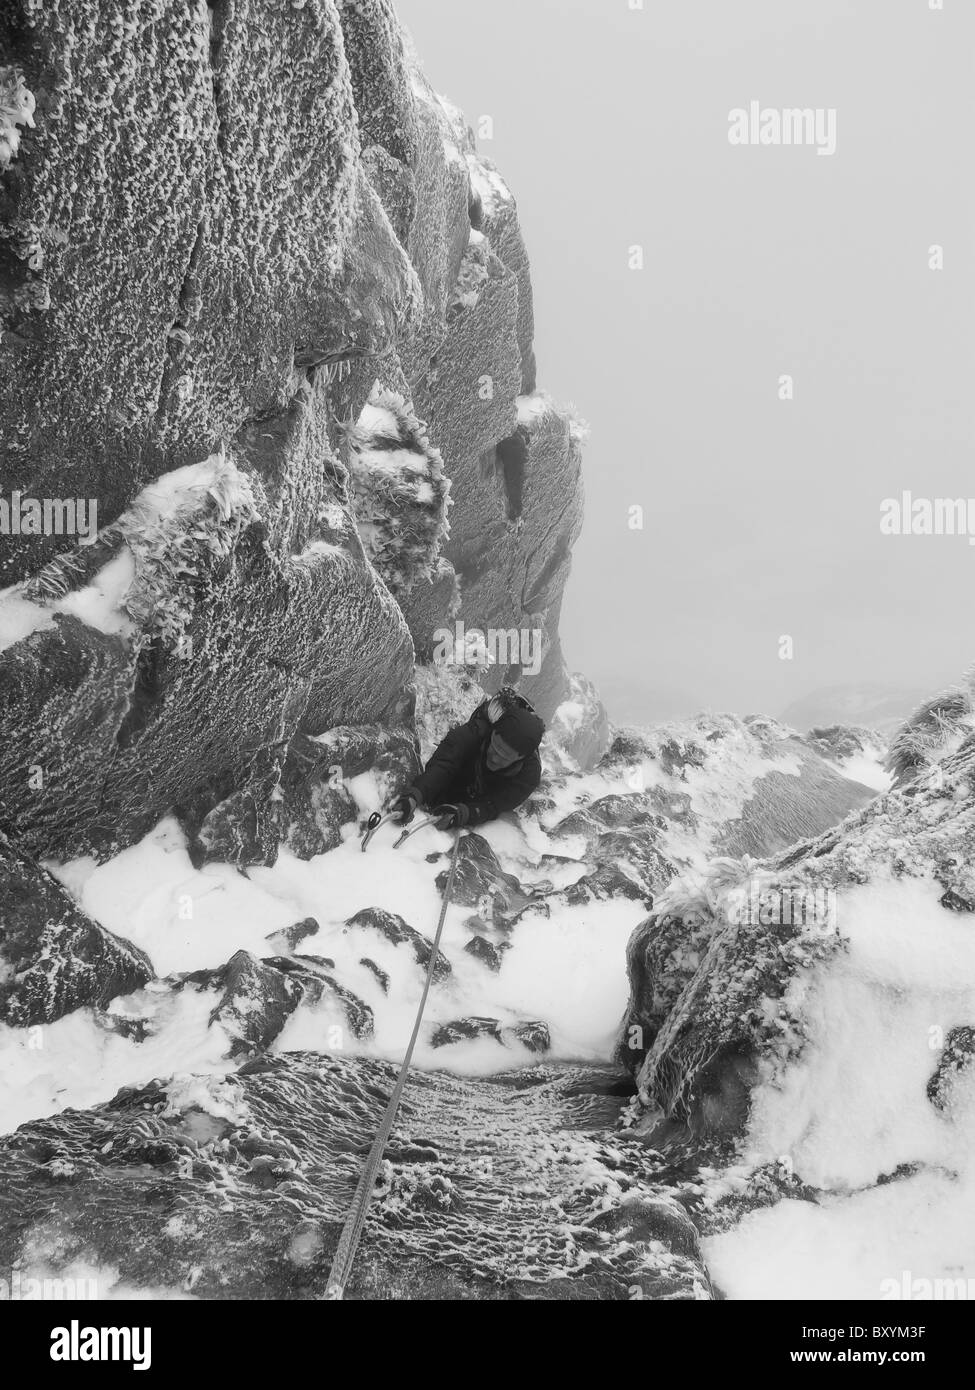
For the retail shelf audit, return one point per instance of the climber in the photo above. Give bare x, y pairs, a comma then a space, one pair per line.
482, 768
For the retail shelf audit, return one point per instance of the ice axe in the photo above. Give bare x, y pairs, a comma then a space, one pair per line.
413, 829
374, 822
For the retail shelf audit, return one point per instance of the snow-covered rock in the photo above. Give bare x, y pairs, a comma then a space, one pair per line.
550, 896
213, 1188
814, 1011
749, 786
580, 726
268, 399
54, 959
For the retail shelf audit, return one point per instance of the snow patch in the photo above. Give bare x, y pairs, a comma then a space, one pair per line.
16, 109
99, 604
854, 1108
19, 617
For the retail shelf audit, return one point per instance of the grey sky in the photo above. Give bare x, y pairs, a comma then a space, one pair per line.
761, 517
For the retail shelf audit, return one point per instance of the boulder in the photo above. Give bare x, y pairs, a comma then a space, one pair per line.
239, 830
645, 1219
399, 932
259, 996
637, 855
620, 836
481, 882
607, 883
256, 1003
533, 1036
487, 952
288, 940
662, 957
466, 1030
840, 742
54, 959
613, 812
957, 1059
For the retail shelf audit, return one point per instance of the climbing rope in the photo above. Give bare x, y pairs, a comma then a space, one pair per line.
348, 1244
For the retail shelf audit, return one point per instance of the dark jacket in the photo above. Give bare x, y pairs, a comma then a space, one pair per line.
457, 774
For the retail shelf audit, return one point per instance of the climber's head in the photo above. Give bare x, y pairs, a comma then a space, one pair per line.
516, 734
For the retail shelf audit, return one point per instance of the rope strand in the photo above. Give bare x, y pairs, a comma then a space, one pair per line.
348, 1243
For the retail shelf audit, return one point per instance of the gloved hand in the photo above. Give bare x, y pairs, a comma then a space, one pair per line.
403, 808
451, 817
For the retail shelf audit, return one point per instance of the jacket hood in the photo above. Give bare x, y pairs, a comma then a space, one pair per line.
521, 730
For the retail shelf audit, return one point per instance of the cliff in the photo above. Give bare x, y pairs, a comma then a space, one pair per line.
264, 306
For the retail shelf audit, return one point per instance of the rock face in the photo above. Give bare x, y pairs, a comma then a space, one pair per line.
534, 1036
399, 933
258, 997
581, 725
843, 741
272, 400
543, 1181
720, 971
957, 1059
307, 411
54, 959
785, 809
481, 882
486, 952
129, 1188
763, 787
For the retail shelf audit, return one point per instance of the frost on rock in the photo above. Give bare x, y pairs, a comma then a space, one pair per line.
16, 111
536, 1199
533, 407
140, 574
936, 726
400, 491
444, 698
749, 1039
580, 727
730, 972
54, 959
752, 785
473, 276
292, 332
175, 527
